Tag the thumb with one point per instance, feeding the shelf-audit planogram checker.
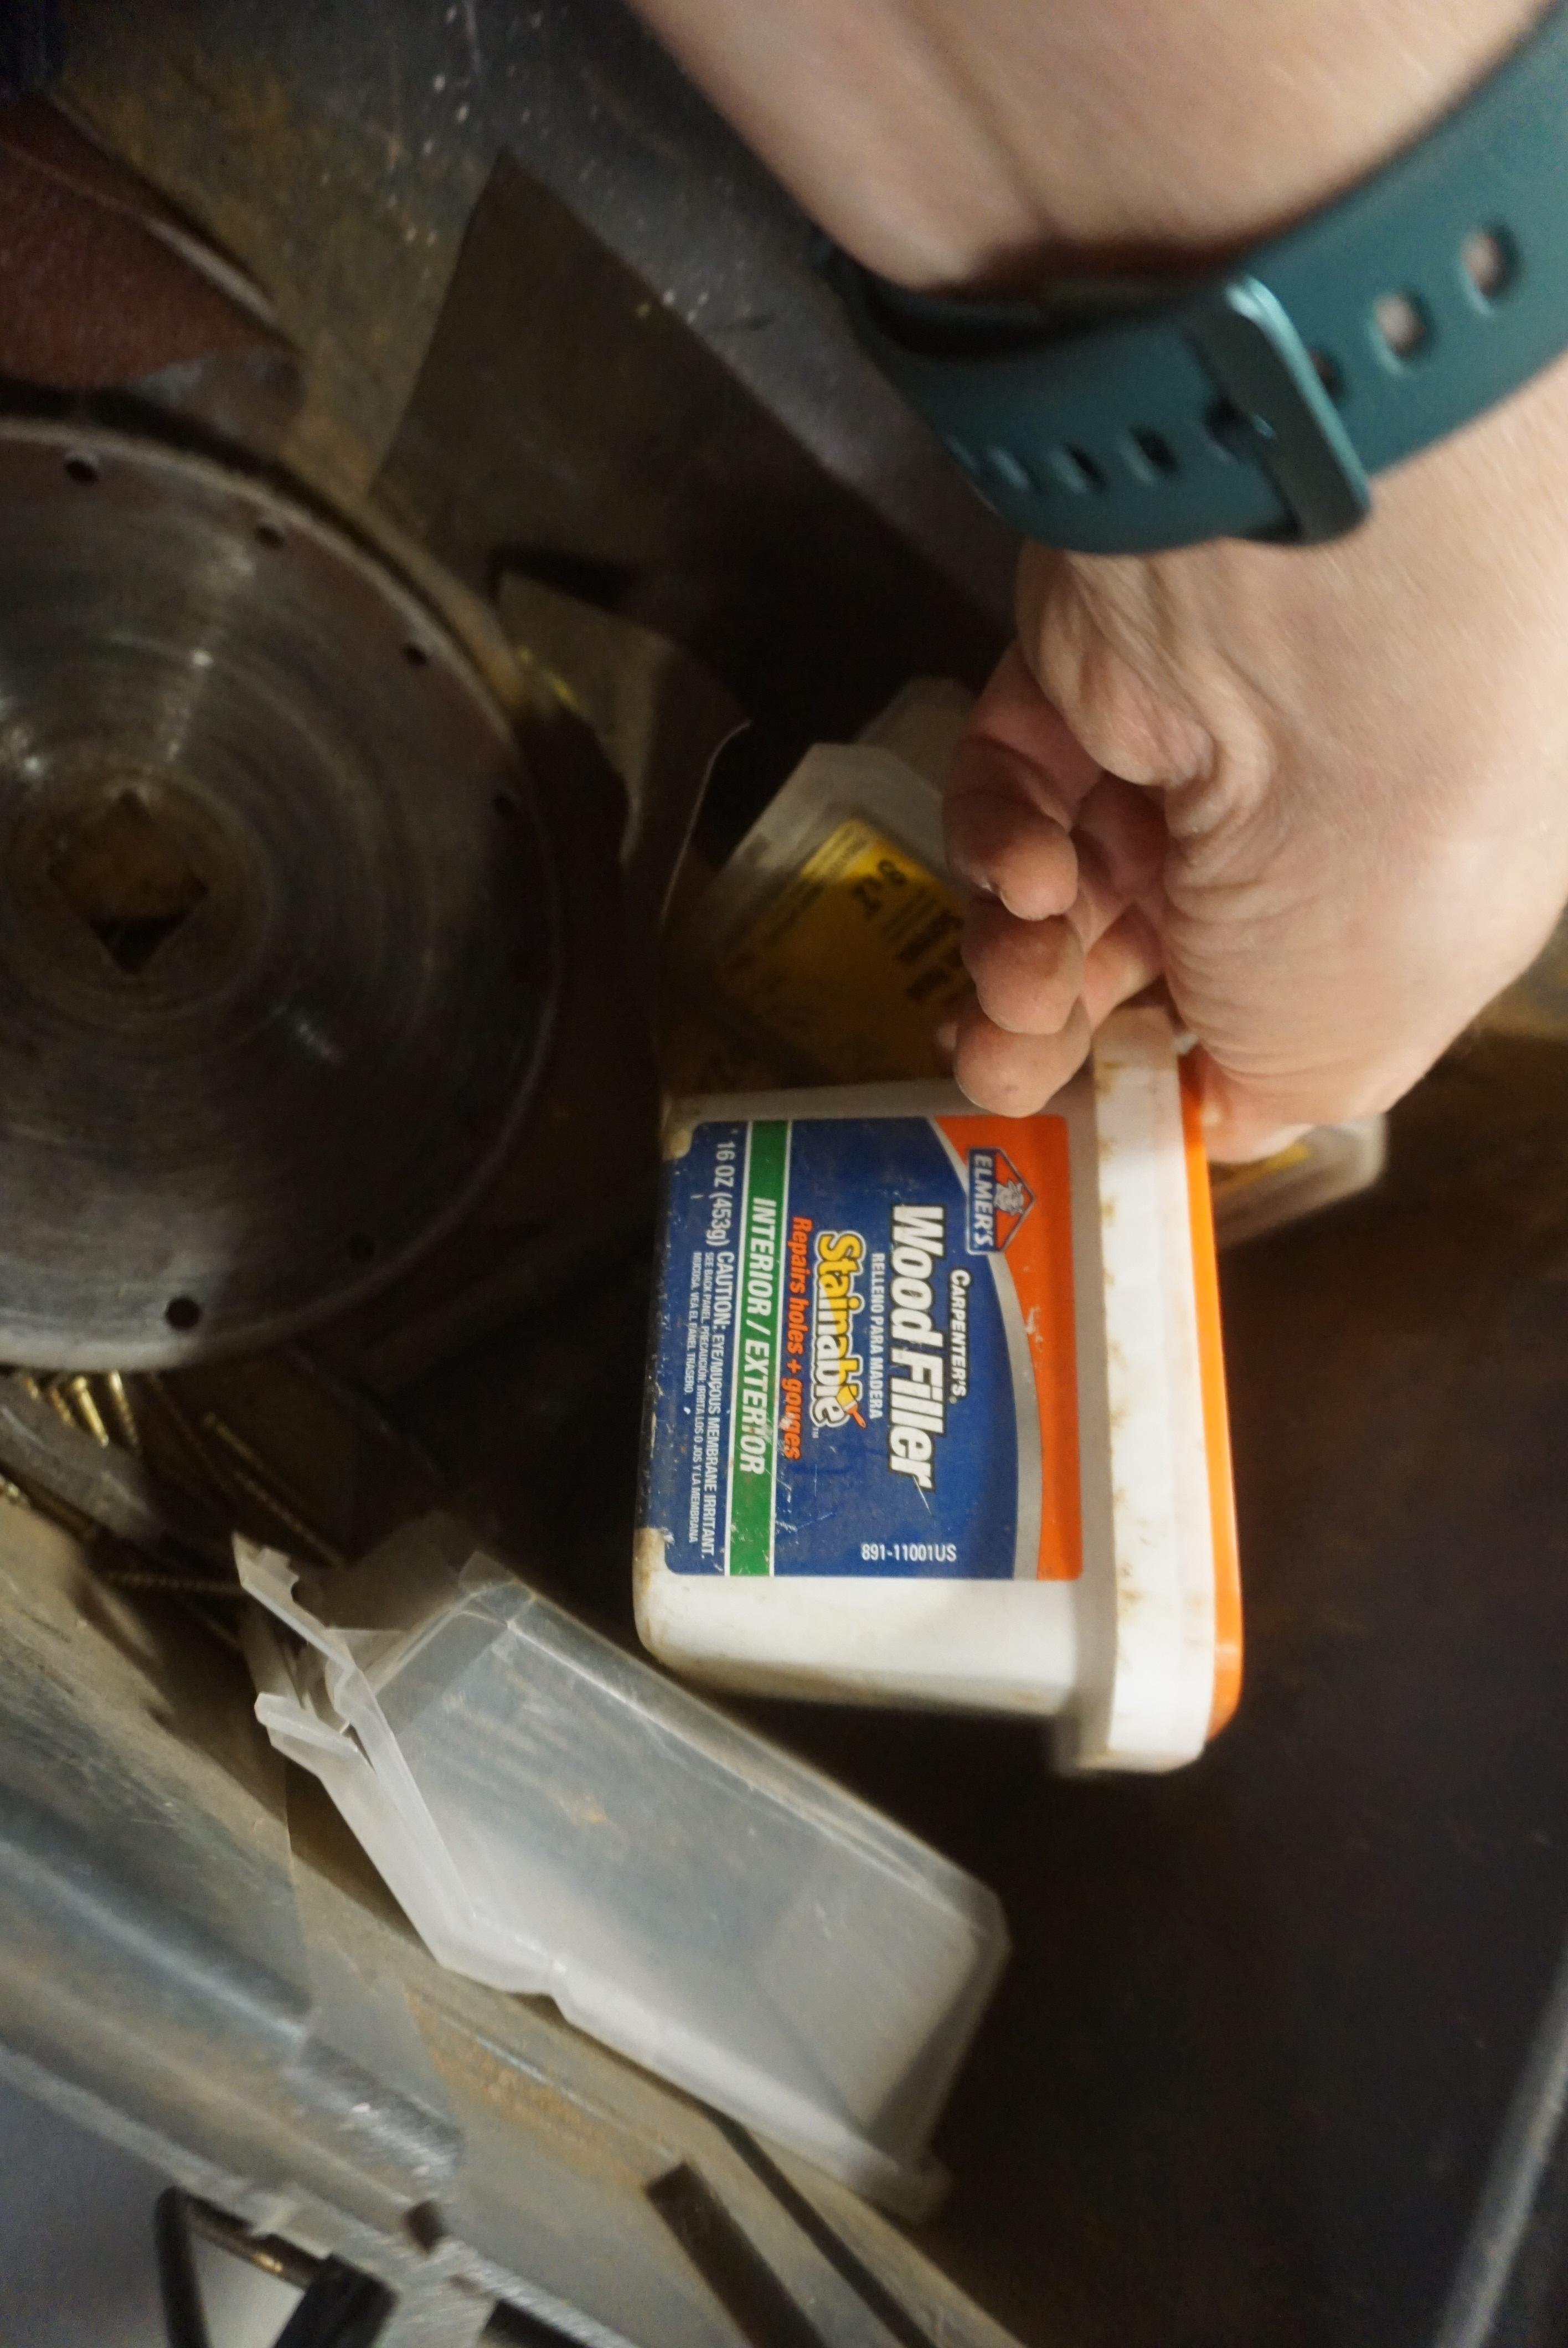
(1241, 1119)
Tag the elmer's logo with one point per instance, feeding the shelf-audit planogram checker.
(999, 1200)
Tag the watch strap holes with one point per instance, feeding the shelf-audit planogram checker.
(1003, 465)
(1149, 456)
(1489, 261)
(1402, 327)
(1075, 469)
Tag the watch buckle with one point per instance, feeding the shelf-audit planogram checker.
(1277, 411)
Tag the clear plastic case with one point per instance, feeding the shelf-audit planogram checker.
(1323, 1166)
(556, 1818)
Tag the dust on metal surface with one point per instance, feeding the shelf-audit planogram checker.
(277, 929)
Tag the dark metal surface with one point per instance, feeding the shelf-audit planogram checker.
(544, 1270)
(109, 1485)
(557, 319)
(199, 1962)
(32, 47)
(269, 122)
(649, 477)
(276, 928)
(179, 2287)
(269, 2253)
(660, 718)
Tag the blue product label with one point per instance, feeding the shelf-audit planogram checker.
(843, 1381)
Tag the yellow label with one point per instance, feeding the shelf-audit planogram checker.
(855, 961)
(1224, 1181)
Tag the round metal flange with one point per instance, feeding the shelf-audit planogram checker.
(277, 922)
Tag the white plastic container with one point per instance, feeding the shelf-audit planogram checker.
(1324, 1166)
(936, 1407)
(556, 1818)
(829, 943)
(827, 949)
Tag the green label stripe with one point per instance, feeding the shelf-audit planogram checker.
(753, 1418)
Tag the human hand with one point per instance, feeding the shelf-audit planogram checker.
(1323, 793)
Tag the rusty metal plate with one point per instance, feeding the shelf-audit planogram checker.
(278, 937)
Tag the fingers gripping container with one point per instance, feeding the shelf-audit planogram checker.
(558, 1818)
(937, 1409)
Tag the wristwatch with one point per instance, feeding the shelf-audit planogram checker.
(1256, 403)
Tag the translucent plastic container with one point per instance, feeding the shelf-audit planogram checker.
(556, 1818)
(1324, 1166)
(936, 1407)
(826, 948)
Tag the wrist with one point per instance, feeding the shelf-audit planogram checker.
(1173, 137)
(970, 144)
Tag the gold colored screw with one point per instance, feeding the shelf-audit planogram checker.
(62, 1409)
(256, 1478)
(210, 1479)
(124, 1413)
(172, 1585)
(79, 1394)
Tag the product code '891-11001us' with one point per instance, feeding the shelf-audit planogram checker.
(910, 1552)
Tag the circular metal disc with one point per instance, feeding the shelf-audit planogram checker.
(277, 935)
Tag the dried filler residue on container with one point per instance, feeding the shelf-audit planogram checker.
(937, 1409)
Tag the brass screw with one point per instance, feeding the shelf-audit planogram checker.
(79, 1394)
(172, 1585)
(259, 1481)
(210, 1479)
(62, 1409)
(124, 1413)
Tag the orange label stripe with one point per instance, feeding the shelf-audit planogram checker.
(1039, 1256)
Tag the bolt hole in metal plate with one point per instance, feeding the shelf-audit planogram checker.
(274, 982)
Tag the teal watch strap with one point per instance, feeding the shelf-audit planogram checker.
(1256, 404)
